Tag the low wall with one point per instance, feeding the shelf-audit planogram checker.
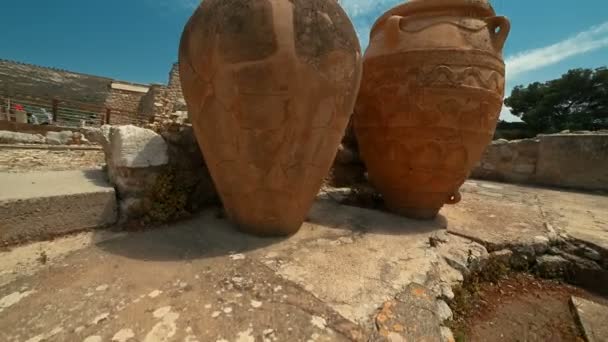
(565, 160)
(578, 161)
(31, 129)
(509, 161)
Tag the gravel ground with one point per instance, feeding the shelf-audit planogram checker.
(24, 160)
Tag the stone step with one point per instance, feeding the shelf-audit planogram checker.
(591, 318)
(40, 205)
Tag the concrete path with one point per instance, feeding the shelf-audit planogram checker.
(349, 274)
(40, 205)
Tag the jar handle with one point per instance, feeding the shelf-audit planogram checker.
(499, 37)
(454, 198)
(392, 30)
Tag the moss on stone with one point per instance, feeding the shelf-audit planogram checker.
(167, 199)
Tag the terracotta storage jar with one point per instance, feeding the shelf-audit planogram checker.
(431, 94)
(270, 86)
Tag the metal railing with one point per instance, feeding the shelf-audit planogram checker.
(68, 113)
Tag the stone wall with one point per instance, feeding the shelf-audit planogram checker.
(159, 176)
(128, 103)
(348, 169)
(17, 79)
(125, 106)
(565, 160)
(577, 161)
(166, 100)
(509, 161)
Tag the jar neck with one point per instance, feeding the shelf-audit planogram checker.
(438, 8)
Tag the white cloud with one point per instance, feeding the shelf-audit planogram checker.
(581, 43)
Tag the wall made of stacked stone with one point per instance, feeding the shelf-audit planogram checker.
(124, 106)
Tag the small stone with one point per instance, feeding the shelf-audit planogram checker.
(256, 304)
(100, 318)
(37, 338)
(161, 312)
(102, 287)
(277, 288)
(228, 310)
(215, 314)
(520, 261)
(94, 338)
(447, 335)
(79, 329)
(551, 266)
(318, 322)
(444, 311)
(207, 306)
(540, 244)
(446, 291)
(245, 336)
(237, 256)
(591, 253)
(502, 256)
(123, 335)
(154, 293)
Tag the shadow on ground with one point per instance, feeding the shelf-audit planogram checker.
(208, 235)
(204, 236)
(370, 221)
(96, 176)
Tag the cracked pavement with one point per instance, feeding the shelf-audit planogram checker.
(349, 274)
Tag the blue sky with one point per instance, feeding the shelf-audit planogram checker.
(136, 40)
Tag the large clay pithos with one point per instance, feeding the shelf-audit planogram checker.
(431, 93)
(270, 86)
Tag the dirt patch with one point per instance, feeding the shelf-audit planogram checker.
(518, 307)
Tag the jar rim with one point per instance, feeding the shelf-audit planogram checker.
(420, 6)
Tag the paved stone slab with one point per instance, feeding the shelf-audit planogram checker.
(583, 216)
(355, 259)
(592, 318)
(203, 280)
(498, 215)
(412, 316)
(38, 205)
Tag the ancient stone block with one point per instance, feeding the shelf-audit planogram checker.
(136, 147)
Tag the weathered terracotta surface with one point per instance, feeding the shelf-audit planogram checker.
(270, 86)
(431, 94)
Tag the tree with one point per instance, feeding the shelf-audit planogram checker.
(576, 101)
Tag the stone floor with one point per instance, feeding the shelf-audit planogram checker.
(14, 159)
(349, 274)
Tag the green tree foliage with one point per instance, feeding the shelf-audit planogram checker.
(576, 101)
